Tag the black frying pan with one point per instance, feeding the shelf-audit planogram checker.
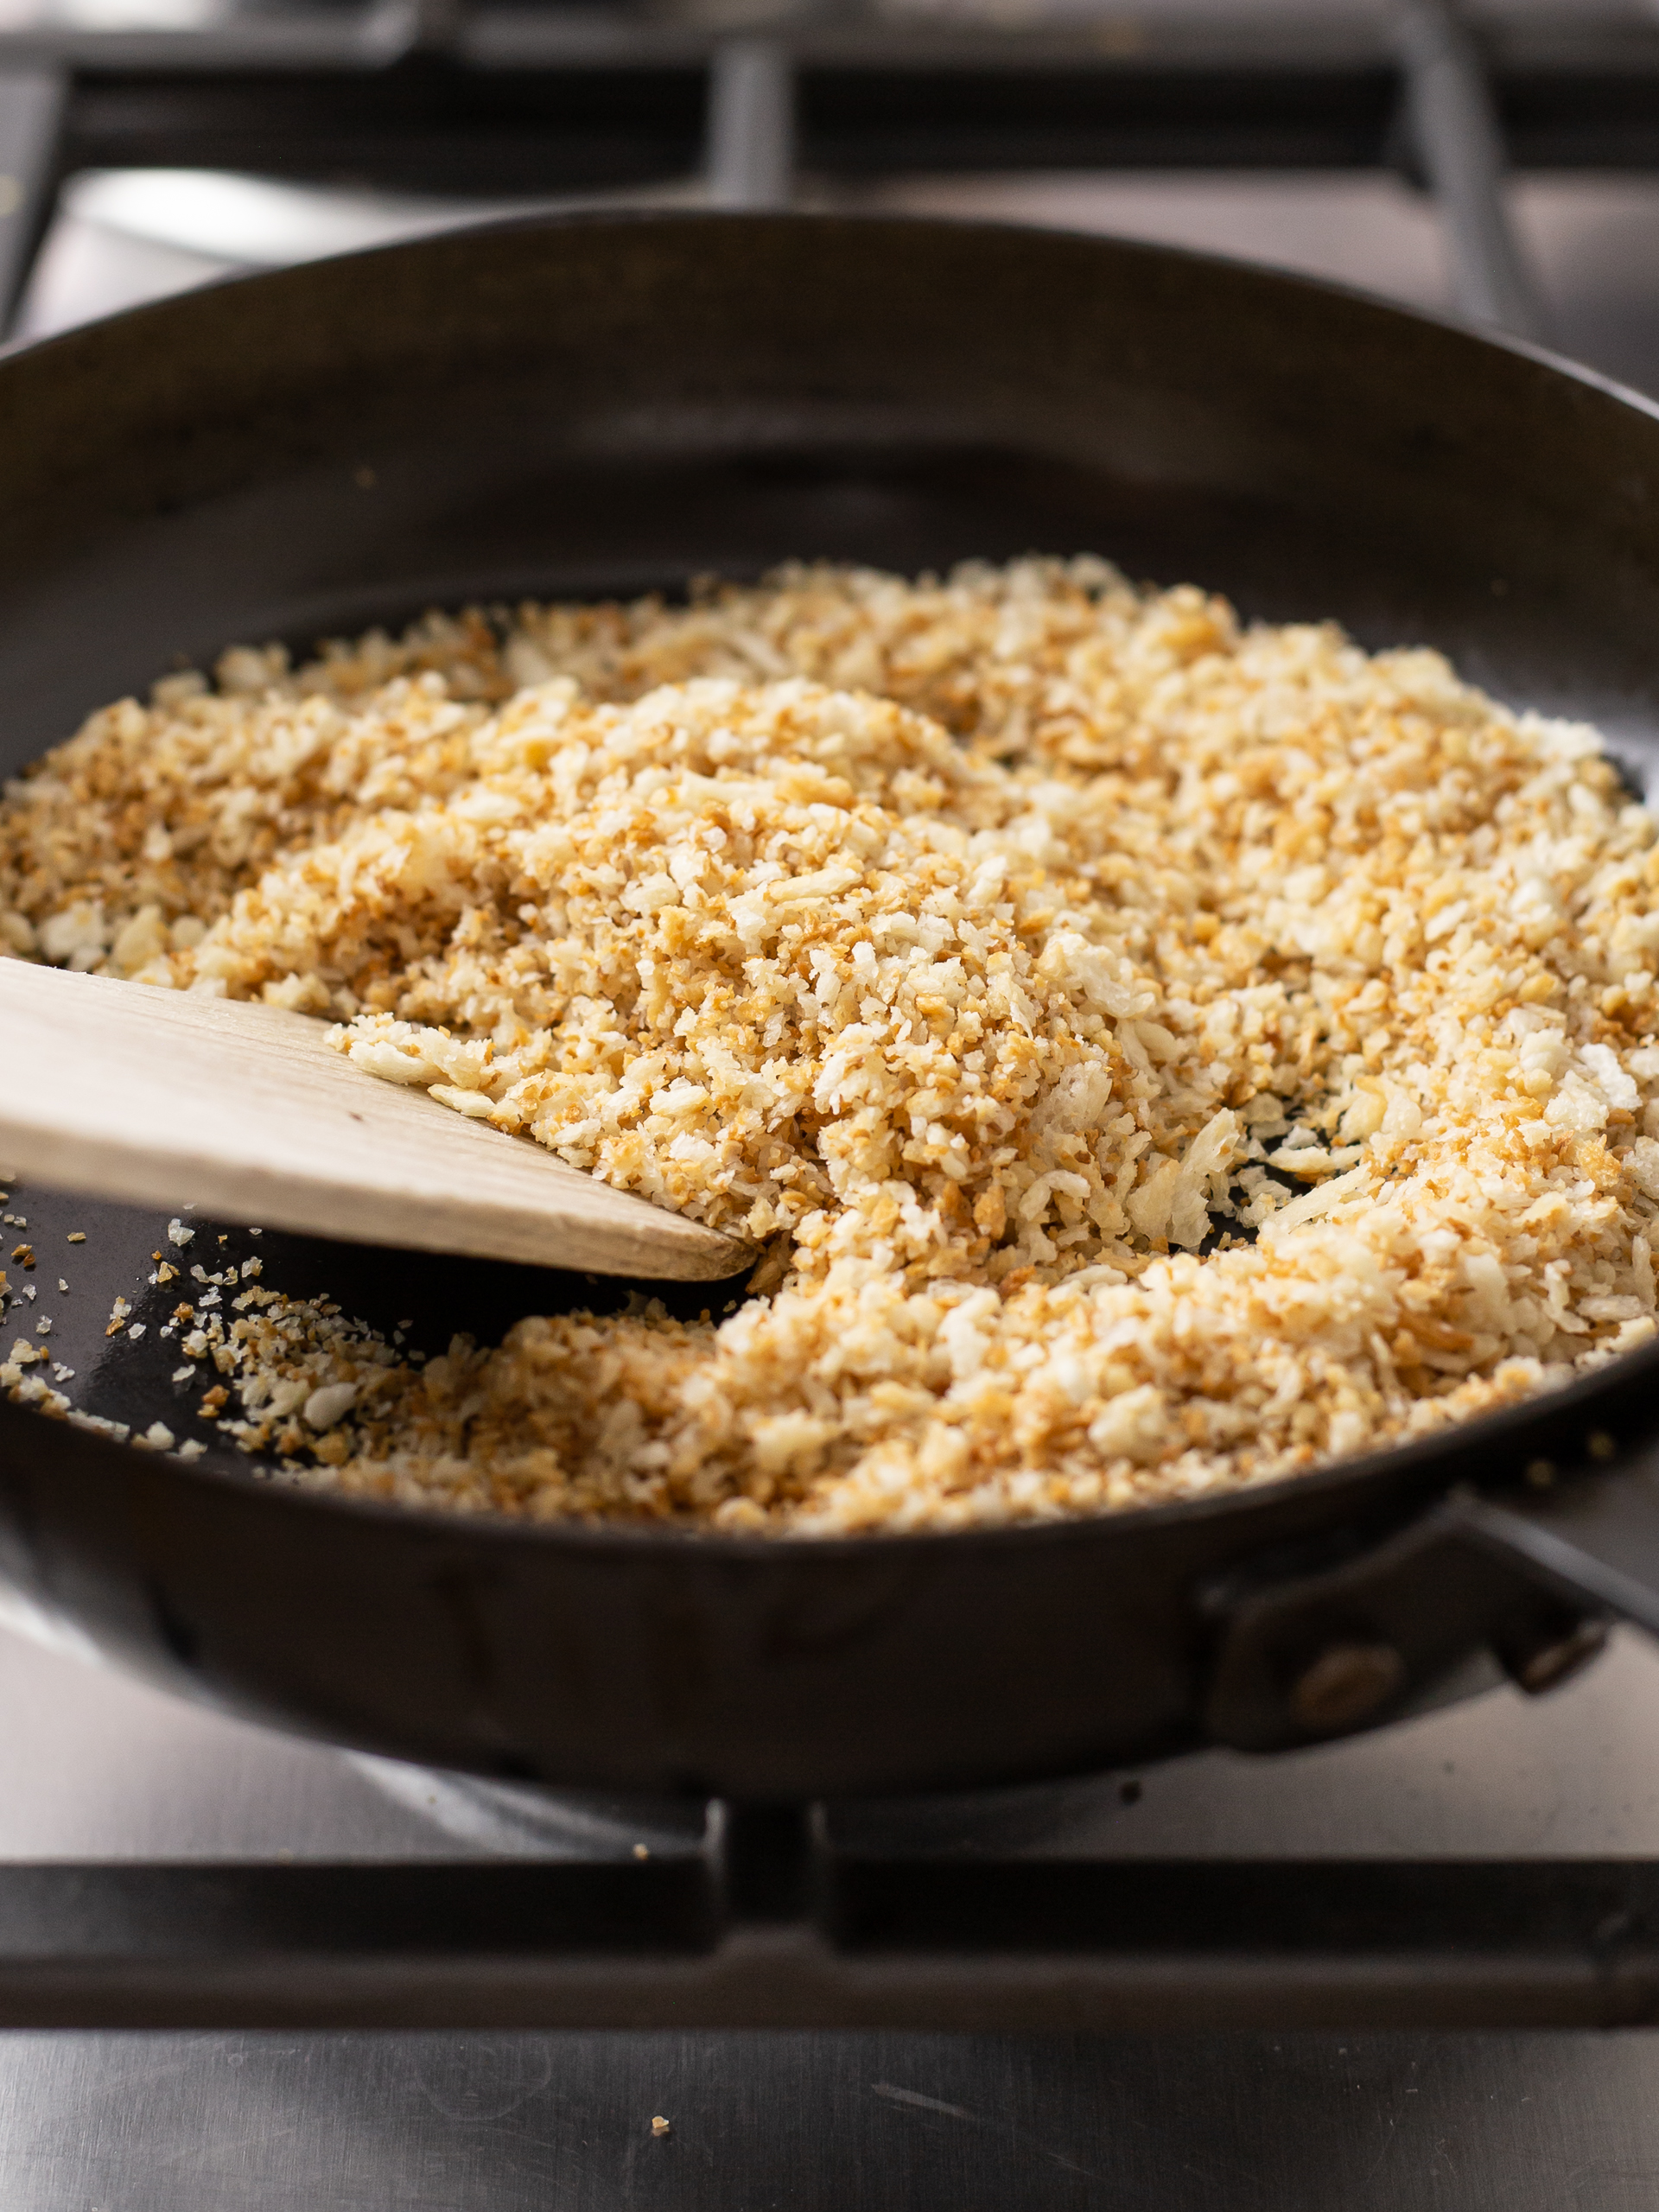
(602, 406)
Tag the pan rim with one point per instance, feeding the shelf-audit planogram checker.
(1368, 1477)
(874, 220)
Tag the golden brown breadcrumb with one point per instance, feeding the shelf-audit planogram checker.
(1160, 1054)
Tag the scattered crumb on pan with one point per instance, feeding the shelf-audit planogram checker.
(1158, 1054)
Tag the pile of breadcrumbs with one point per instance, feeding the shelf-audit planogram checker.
(1157, 1055)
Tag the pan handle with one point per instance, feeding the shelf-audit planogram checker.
(1593, 1541)
(1532, 1572)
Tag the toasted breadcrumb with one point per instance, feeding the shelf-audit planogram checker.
(1159, 1055)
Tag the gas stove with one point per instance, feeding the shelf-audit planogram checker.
(244, 1974)
(1498, 160)
(967, 2089)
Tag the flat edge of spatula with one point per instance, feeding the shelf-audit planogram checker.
(129, 1092)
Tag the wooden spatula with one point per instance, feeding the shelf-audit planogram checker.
(166, 1099)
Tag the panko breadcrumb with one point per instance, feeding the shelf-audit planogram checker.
(1157, 1054)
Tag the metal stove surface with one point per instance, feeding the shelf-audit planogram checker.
(93, 1766)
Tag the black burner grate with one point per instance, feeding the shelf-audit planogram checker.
(438, 95)
(771, 1924)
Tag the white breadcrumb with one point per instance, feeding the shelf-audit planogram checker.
(1159, 1055)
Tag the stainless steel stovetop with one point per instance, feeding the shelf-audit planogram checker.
(93, 1766)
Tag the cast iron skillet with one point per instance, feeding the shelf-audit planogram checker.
(581, 408)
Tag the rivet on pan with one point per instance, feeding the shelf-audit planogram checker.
(1547, 1664)
(1600, 1445)
(1541, 1474)
(1345, 1685)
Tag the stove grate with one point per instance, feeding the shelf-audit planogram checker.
(770, 1924)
